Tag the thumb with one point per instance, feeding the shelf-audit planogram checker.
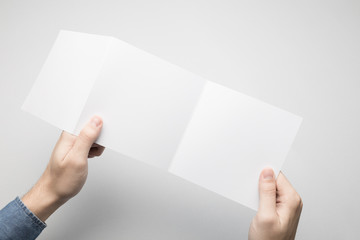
(88, 136)
(267, 192)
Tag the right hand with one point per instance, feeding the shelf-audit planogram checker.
(279, 210)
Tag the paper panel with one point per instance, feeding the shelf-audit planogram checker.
(145, 102)
(230, 139)
(66, 78)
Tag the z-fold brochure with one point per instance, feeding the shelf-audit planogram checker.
(161, 114)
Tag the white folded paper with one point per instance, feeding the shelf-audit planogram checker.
(161, 114)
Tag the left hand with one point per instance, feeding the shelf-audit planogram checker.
(66, 172)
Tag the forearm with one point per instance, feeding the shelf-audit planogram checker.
(62, 179)
(41, 201)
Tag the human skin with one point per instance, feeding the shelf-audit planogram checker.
(279, 209)
(66, 172)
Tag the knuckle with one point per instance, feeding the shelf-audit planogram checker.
(296, 201)
(296, 198)
(301, 203)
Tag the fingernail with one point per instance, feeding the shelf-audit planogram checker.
(95, 121)
(268, 174)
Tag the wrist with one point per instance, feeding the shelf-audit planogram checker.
(41, 201)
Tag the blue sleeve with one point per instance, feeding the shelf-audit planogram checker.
(18, 222)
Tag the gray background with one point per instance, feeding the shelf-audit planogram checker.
(302, 56)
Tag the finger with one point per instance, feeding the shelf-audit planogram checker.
(296, 223)
(267, 193)
(287, 195)
(284, 187)
(87, 137)
(96, 151)
(96, 145)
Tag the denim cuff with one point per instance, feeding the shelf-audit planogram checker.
(31, 215)
(18, 222)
